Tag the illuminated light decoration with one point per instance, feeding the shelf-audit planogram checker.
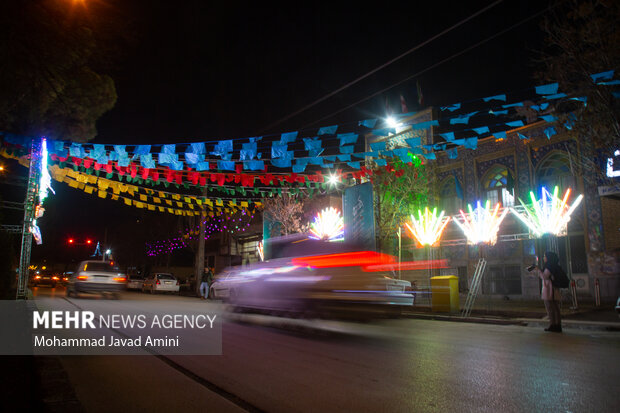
(481, 225)
(328, 225)
(611, 172)
(261, 251)
(212, 227)
(428, 227)
(550, 214)
(45, 182)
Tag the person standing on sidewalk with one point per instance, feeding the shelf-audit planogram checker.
(550, 295)
(205, 282)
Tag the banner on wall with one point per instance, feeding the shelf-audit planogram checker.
(359, 217)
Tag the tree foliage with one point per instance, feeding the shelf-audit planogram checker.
(400, 189)
(48, 80)
(583, 38)
(285, 213)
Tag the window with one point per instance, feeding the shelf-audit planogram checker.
(502, 279)
(496, 186)
(450, 202)
(554, 170)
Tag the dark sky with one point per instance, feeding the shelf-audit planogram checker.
(202, 71)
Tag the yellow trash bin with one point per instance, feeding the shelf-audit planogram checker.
(445, 294)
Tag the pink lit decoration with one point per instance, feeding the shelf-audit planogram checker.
(328, 225)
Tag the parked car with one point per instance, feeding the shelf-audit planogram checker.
(96, 277)
(160, 282)
(45, 277)
(135, 282)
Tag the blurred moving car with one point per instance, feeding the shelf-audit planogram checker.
(160, 282)
(316, 277)
(45, 277)
(96, 277)
(135, 282)
(65, 277)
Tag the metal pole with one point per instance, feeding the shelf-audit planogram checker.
(29, 216)
(399, 252)
(597, 292)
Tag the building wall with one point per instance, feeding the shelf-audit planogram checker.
(596, 221)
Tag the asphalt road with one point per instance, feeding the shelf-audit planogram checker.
(404, 365)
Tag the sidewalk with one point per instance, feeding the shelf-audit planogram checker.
(528, 313)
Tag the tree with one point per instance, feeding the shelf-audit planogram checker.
(583, 38)
(49, 84)
(400, 189)
(285, 213)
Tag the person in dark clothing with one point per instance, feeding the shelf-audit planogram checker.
(205, 282)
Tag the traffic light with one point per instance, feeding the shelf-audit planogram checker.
(88, 241)
(71, 241)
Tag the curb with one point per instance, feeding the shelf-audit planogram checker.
(321, 326)
(575, 324)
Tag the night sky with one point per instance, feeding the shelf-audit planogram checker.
(203, 71)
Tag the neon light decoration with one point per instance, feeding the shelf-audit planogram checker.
(611, 171)
(428, 227)
(45, 182)
(328, 225)
(550, 214)
(481, 225)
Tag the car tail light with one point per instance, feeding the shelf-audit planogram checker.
(158, 282)
(82, 277)
(120, 279)
(54, 278)
(37, 277)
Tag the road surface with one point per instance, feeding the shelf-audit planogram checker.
(405, 365)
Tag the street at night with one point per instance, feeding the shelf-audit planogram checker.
(310, 206)
(399, 365)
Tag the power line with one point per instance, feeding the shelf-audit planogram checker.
(432, 66)
(460, 23)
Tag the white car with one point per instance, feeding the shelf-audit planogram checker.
(96, 277)
(135, 282)
(161, 282)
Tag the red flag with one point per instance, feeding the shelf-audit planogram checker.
(403, 105)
